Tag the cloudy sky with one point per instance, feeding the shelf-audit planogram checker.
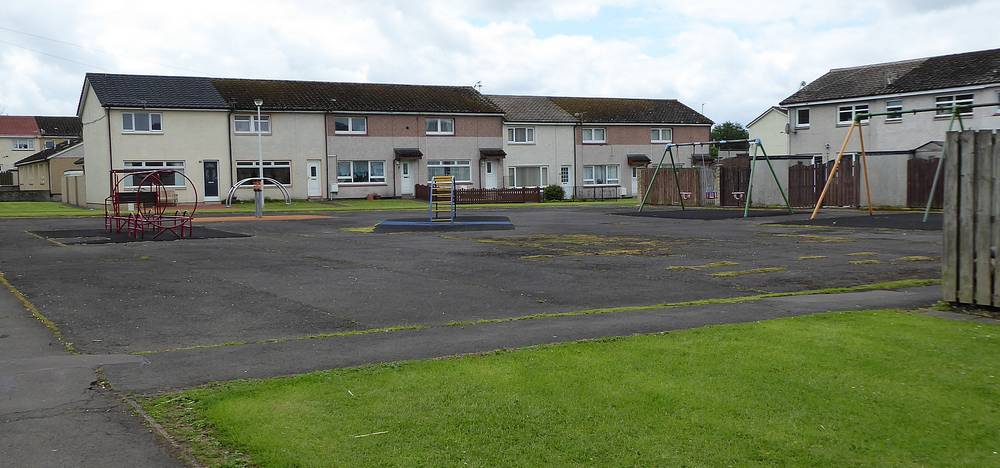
(734, 57)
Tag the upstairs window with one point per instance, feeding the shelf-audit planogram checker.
(847, 114)
(894, 107)
(802, 118)
(23, 144)
(142, 122)
(661, 135)
(440, 126)
(594, 135)
(945, 104)
(350, 125)
(249, 124)
(520, 135)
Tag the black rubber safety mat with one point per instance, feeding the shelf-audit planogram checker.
(100, 236)
(461, 223)
(701, 213)
(912, 221)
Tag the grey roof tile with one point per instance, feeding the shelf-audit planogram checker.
(531, 109)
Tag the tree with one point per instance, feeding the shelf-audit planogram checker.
(729, 131)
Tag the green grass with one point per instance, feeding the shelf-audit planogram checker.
(752, 271)
(885, 388)
(42, 210)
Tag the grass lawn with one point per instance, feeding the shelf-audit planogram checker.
(43, 209)
(840, 389)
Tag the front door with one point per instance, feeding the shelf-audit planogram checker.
(566, 181)
(406, 177)
(211, 180)
(490, 179)
(635, 179)
(313, 184)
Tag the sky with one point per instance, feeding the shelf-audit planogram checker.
(729, 59)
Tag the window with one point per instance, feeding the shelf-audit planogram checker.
(49, 144)
(945, 104)
(600, 175)
(894, 107)
(277, 170)
(594, 135)
(528, 176)
(440, 126)
(361, 172)
(168, 180)
(847, 114)
(23, 144)
(661, 135)
(997, 112)
(242, 124)
(564, 175)
(802, 118)
(350, 125)
(460, 169)
(137, 122)
(521, 135)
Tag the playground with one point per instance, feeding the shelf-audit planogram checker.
(287, 279)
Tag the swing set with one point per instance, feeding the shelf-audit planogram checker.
(956, 116)
(754, 142)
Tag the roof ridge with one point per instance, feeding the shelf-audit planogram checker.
(281, 80)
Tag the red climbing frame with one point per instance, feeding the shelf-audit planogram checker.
(138, 204)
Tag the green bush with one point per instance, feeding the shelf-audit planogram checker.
(553, 192)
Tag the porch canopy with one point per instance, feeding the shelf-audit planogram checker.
(407, 153)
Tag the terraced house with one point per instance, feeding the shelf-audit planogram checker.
(22, 136)
(820, 113)
(350, 140)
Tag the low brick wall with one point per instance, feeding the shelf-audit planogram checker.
(24, 195)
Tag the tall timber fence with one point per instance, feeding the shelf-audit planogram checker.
(971, 218)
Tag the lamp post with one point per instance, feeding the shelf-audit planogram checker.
(258, 186)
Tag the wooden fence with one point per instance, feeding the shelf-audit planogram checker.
(7, 178)
(971, 218)
(664, 190)
(919, 178)
(477, 195)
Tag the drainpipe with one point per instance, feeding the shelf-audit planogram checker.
(229, 139)
(111, 157)
(325, 162)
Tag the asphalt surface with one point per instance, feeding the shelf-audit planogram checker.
(206, 310)
(911, 221)
(51, 412)
(294, 278)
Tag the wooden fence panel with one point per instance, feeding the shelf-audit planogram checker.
(971, 218)
(734, 182)
(966, 216)
(803, 181)
(844, 188)
(664, 191)
(949, 261)
(919, 178)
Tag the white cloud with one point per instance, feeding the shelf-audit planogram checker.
(737, 57)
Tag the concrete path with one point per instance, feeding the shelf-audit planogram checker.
(52, 412)
(180, 369)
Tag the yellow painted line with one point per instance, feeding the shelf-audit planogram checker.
(51, 241)
(35, 312)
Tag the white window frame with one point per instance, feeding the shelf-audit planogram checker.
(543, 175)
(277, 163)
(952, 100)
(590, 182)
(659, 131)
(592, 140)
(351, 120)
(997, 111)
(130, 118)
(438, 121)
(349, 180)
(450, 163)
(564, 175)
(854, 109)
(894, 105)
(529, 135)
(798, 118)
(179, 166)
(251, 120)
(28, 144)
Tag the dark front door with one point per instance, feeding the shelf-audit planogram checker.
(211, 179)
